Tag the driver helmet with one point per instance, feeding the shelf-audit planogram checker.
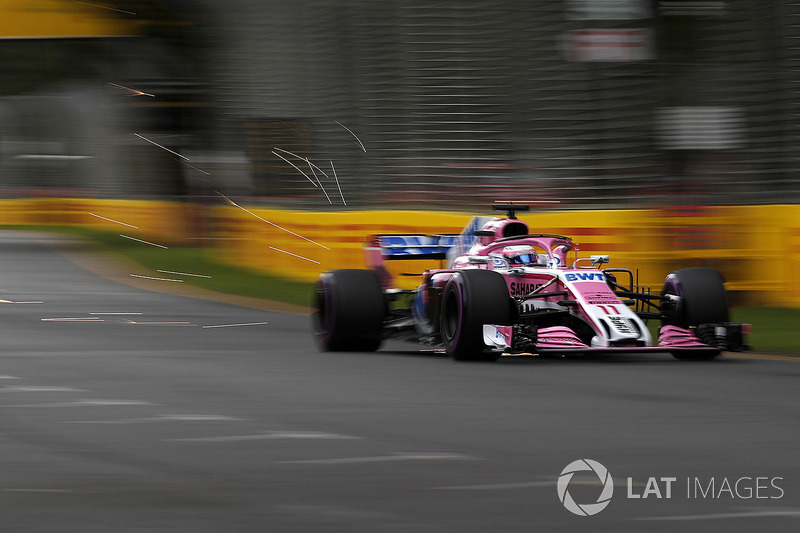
(520, 255)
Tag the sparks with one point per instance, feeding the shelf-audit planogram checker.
(145, 242)
(115, 221)
(320, 183)
(197, 169)
(289, 153)
(353, 134)
(301, 158)
(232, 325)
(162, 147)
(295, 255)
(182, 273)
(231, 202)
(337, 183)
(133, 92)
(181, 323)
(105, 7)
(295, 166)
(528, 201)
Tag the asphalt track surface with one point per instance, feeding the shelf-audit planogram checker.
(113, 426)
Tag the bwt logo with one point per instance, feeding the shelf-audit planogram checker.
(586, 509)
(585, 276)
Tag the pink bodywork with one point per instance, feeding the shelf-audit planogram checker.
(513, 232)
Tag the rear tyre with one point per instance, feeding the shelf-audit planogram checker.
(702, 301)
(471, 299)
(348, 311)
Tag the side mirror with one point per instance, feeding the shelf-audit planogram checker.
(599, 259)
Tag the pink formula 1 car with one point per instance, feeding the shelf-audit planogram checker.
(505, 291)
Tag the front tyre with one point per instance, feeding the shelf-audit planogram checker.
(348, 311)
(701, 300)
(471, 299)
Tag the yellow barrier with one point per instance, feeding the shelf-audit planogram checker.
(169, 222)
(757, 248)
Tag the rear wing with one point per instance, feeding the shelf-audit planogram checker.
(391, 247)
(380, 249)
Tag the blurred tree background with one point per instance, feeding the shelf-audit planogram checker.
(594, 103)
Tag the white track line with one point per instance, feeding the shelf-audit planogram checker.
(35, 490)
(156, 279)
(160, 418)
(500, 486)
(723, 516)
(39, 389)
(424, 456)
(83, 403)
(103, 313)
(270, 435)
(73, 319)
(234, 325)
(526, 485)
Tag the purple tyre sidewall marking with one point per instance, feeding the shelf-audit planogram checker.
(671, 287)
(328, 318)
(457, 282)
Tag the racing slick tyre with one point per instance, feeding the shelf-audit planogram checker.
(702, 301)
(348, 311)
(471, 299)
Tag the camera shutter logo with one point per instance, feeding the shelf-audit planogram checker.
(586, 509)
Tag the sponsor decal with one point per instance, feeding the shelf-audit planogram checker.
(621, 325)
(548, 339)
(521, 288)
(601, 298)
(499, 264)
(585, 276)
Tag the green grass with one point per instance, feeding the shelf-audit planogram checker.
(774, 329)
(196, 260)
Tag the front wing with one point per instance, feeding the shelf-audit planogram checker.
(705, 339)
